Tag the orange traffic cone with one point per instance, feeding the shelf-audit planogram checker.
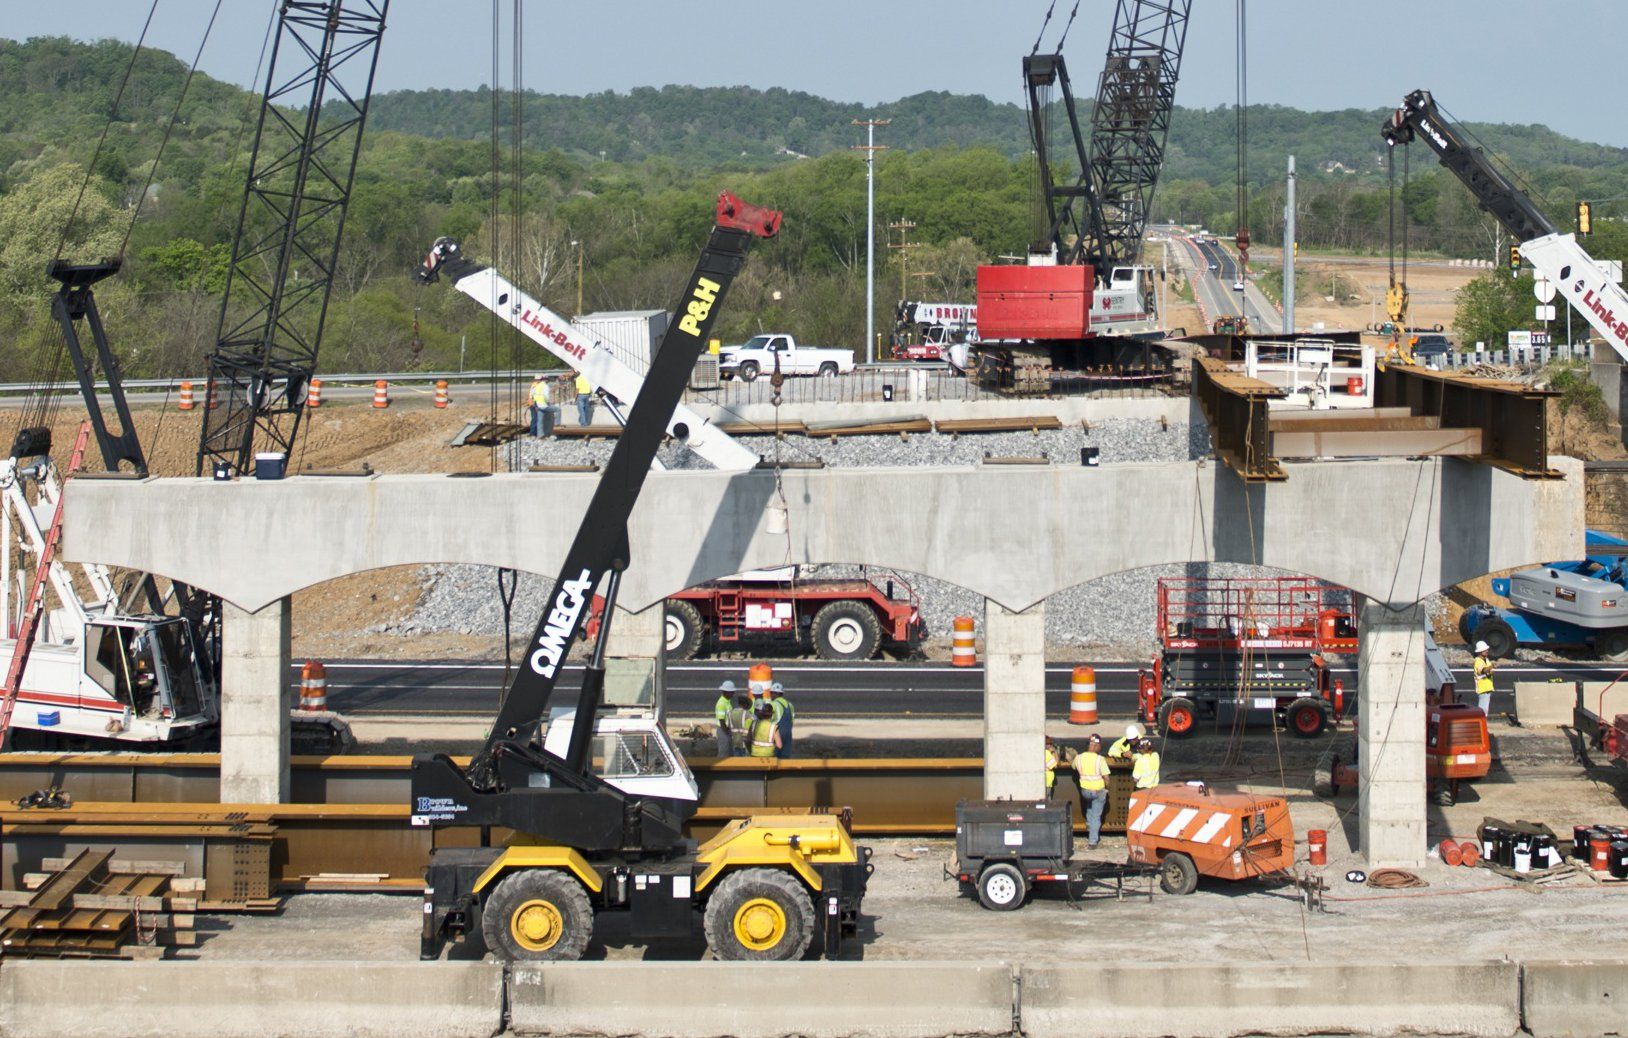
(313, 395)
(381, 393)
(186, 403)
(313, 687)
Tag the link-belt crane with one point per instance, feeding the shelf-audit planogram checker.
(584, 843)
(1553, 255)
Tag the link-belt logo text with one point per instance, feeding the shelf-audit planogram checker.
(561, 625)
(1618, 323)
(558, 338)
(706, 294)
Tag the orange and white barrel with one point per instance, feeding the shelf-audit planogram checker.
(441, 393)
(963, 643)
(1082, 696)
(381, 393)
(759, 678)
(186, 403)
(313, 686)
(211, 401)
(313, 393)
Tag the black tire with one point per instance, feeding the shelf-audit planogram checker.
(1612, 646)
(1177, 874)
(1002, 887)
(549, 905)
(1465, 631)
(681, 633)
(1499, 636)
(762, 901)
(1178, 718)
(748, 371)
(1306, 718)
(828, 370)
(846, 630)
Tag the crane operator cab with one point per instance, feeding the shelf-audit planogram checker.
(631, 751)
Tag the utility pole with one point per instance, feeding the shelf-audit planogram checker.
(579, 247)
(904, 245)
(1288, 255)
(870, 149)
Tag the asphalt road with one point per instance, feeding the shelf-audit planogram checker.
(1215, 287)
(470, 688)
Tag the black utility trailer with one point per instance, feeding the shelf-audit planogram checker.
(1004, 848)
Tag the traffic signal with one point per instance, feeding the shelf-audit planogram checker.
(1514, 259)
(1585, 220)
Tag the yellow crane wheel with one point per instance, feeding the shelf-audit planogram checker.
(536, 925)
(760, 924)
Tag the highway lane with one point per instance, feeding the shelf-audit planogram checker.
(1215, 287)
(470, 688)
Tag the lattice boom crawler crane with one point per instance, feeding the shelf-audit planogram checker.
(581, 845)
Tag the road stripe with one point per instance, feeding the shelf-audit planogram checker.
(1178, 823)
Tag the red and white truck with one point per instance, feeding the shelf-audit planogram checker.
(843, 618)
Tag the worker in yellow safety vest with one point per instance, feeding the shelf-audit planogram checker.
(1121, 749)
(1484, 666)
(784, 715)
(1051, 765)
(1145, 769)
(539, 401)
(765, 737)
(1092, 767)
(720, 715)
(585, 400)
(740, 724)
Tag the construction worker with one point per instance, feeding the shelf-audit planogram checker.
(1145, 770)
(784, 715)
(1092, 768)
(720, 714)
(740, 724)
(585, 400)
(1121, 749)
(539, 401)
(764, 740)
(1484, 666)
(1051, 765)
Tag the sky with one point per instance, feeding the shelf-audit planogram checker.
(1477, 56)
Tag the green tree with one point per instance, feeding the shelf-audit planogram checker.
(32, 220)
(1492, 306)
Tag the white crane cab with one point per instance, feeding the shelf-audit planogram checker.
(631, 751)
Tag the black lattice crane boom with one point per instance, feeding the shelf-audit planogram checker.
(292, 217)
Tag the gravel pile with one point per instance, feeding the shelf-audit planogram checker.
(1115, 612)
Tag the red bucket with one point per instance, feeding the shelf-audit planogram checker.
(1353, 385)
(1317, 846)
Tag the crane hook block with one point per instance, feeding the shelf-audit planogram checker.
(743, 216)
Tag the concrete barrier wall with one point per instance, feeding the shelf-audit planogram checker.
(762, 1000)
(1202, 999)
(226, 999)
(49, 999)
(1545, 702)
(1575, 997)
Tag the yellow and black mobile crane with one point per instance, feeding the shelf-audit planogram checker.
(581, 845)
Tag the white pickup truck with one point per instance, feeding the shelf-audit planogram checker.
(759, 354)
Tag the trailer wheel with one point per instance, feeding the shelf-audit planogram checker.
(537, 915)
(1178, 718)
(1001, 887)
(1177, 874)
(846, 630)
(1499, 636)
(1306, 718)
(1612, 646)
(748, 371)
(828, 370)
(761, 915)
(681, 635)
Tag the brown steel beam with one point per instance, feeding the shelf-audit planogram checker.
(1512, 418)
(1317, 443)
(1236, 409)
(1349, 421)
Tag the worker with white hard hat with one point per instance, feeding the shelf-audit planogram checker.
(1484, 666)
(720, 713)
(1121, 749)
(539, 401)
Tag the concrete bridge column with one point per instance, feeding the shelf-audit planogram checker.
(1014, 702)
(1391, 735)
(635, 670)
(254, 730)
